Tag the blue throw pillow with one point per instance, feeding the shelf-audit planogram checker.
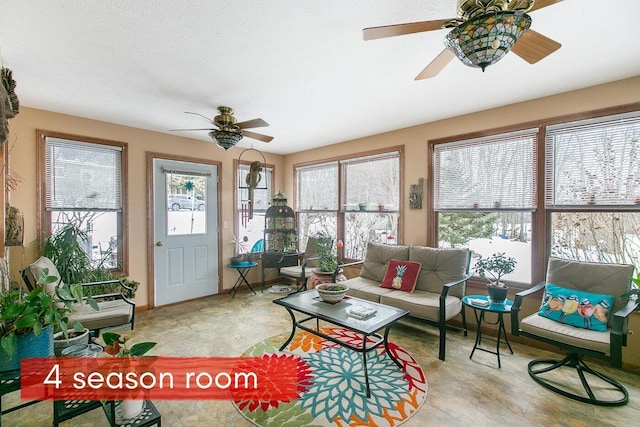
(576, 308)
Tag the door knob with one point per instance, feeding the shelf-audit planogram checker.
(159, 243)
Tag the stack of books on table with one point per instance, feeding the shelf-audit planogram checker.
(480, 302)
(361, 311)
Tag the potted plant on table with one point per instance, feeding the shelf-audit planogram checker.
(497, 265)
(117, 345)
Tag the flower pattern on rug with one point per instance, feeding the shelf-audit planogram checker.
(332, 385)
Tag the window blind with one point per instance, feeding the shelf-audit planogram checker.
(496, 172)
(82, 176)
(317, 187)
(593, 164)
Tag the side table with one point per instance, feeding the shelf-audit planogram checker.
(481, 305)
(242, 269)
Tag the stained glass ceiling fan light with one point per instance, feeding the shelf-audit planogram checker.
(225, 138)
(485, 39)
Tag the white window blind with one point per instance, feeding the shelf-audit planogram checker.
(594, 164)
(372, 180)
(496, 172)
(317, 187)
(82, 176)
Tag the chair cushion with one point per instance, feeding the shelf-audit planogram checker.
(36, 269)
(377, 257)
(601, 278)
(556, 331)
(401, 275)
(296, 271)
(576, 308)
(111, 313)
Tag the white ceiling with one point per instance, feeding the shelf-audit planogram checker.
(300, 65)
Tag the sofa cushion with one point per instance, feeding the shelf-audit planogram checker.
(422, 304)
(401, 275)
(576, 308)
(111, 313)
(440, 266)
(377, 257)
(367, 289)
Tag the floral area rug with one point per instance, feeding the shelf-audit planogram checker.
(331, 384)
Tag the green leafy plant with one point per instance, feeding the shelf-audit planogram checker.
(118, 346)
(497, 265)
(634, 292)
(22, 313)
(327, 260)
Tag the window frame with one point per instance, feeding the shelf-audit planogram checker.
(44, 216)
(541, 224)
(341, 211)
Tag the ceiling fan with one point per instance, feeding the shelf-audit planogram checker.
(228, 131)
(483, 33)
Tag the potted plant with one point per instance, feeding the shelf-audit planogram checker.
(497, 265)
(118, 346)
(28, 319)
(327, 261)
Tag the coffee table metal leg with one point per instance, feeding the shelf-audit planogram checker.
(293, 329)
(364, 362)
(386, 346)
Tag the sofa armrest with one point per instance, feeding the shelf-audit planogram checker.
(447, 286)
(341, 266)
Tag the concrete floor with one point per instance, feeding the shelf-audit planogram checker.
(462, 392)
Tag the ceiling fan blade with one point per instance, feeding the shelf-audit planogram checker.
(255, 123)
(539, 4)
(180, 130)
(533, 46)
(436, 65)
(258, 136)
(198, 114)
(401, 29)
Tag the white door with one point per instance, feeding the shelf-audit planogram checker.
(185, 230)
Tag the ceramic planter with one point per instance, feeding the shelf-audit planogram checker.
(28, 345)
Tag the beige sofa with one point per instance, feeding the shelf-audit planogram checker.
(439, 289)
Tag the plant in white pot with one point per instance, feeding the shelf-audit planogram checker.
(496, 266)
(118, 346)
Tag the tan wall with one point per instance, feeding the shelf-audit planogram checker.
(22, 143)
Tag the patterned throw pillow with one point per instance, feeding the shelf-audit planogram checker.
(401, 275)
(576, 308)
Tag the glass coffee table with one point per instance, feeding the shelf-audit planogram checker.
(314, 309)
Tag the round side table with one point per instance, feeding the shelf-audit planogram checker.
(481, 305)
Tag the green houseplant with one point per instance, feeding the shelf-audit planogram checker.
(496, 266)
(36, 313)
(327, 260)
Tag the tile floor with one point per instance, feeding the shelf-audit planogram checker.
(462, 392)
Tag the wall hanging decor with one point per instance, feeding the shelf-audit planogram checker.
(415, 196)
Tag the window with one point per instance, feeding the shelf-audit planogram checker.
(83, 181)
(250, 231)
(357, 200)
(576, 197)
(484, 194)
(593, 189)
